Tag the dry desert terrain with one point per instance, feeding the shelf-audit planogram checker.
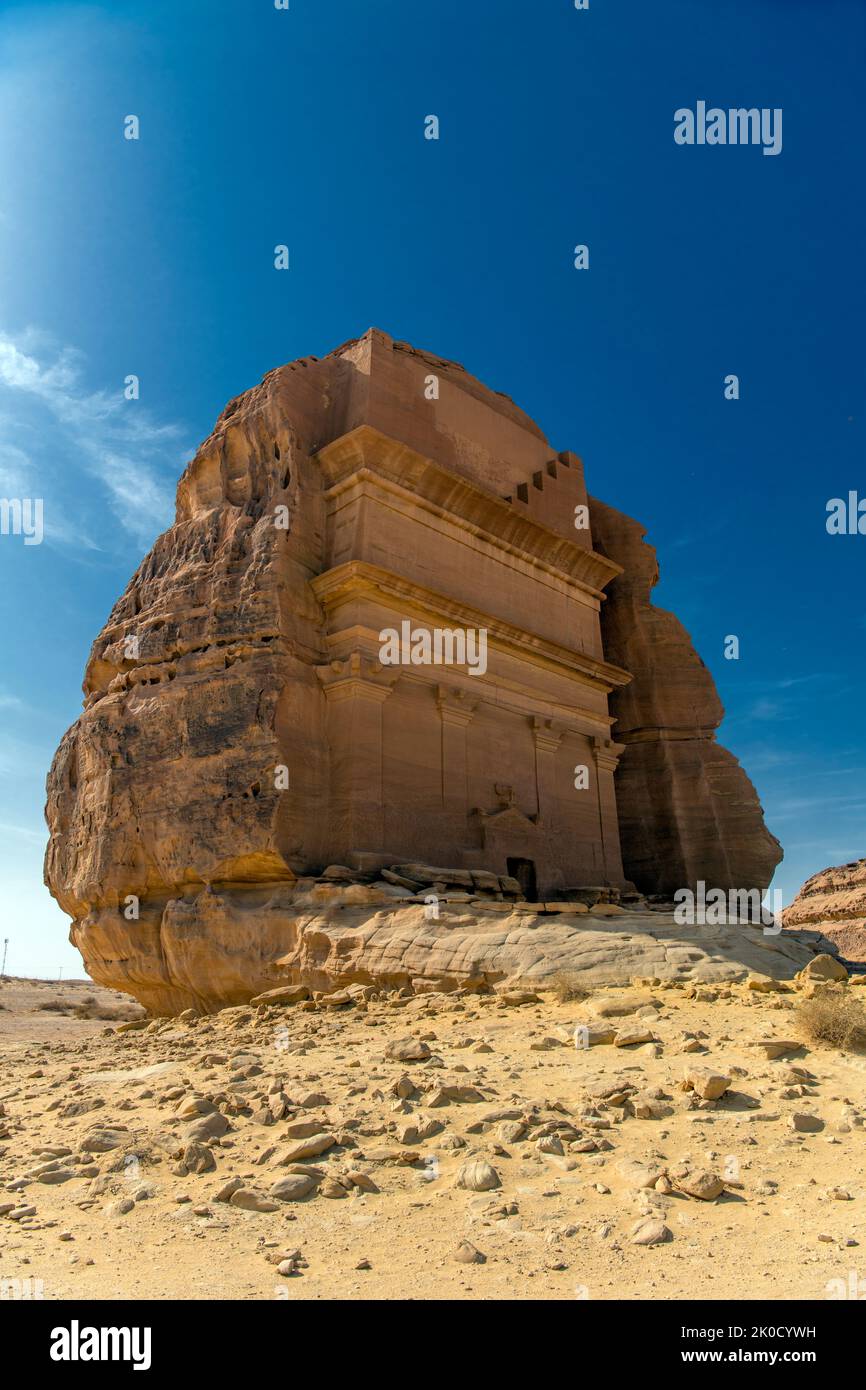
(431, 1146)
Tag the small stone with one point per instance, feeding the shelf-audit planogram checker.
(121, 1208)
(198, 1158)
(510, 1131)
(702, 1184)
(293, 1188)
(286, 994)
(802, 1123)
(102, 1140)
(763, 984)
(303, 1129)
(631, 1037)
(467, 1254)
(649, 1231)
(638, 1175)
(550, 1144)
(777, 1047)
(593, 1035)
(194, 1106)
(477, 1176)
(233, 1185)
(333, 1188)
(361, 1180)
(822, 967)
(408, 1050)
(307, 1148)
(248, 1200)
(706, 1083)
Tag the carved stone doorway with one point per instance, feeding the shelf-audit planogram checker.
(524, 871)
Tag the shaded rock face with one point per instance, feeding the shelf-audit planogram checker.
(687, 810)
(833, 902)
(240, 728)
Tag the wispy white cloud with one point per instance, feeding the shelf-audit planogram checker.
(15, 467)
(133, 458)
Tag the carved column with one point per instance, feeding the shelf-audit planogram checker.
(548, 736)
(456, 711)
(356, 688)
(606, 755)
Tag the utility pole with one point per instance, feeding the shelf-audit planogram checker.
(5, 949)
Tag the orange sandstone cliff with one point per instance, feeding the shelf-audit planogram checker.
(240, 731)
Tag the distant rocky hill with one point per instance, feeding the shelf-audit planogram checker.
(834, 903)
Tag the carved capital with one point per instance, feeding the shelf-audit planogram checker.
(455, 706)
(357, 676)
(606, 753)
(547, 734)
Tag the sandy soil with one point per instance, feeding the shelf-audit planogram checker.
(57, 1011)
(123, 1217)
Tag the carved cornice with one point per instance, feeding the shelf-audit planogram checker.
(365, 456)
(357, 578)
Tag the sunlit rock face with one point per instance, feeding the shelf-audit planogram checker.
(833, 902)
(530, 718)
(687, 810)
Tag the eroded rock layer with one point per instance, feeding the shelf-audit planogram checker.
(213, 949)
(687, 810)
(834, 902)
(241, 727)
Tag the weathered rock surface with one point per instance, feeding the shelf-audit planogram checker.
(833, 902)
(232, 961)
(687, 810)
(241, 735)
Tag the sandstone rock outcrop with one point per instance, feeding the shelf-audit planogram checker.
(244, 729)
(687, 810)
(833, 902)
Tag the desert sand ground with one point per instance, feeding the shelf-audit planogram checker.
(102, 1131)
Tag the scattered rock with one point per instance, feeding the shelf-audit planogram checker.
(706, 1083)
(248, 1200)
(822, 967)
(198, 1158)
(286, 994)
(477, 1176)
(408, 1050)
(307, 1148)
(468, 1254)
(803, 1123)
(650, 1231)
(702, 1184)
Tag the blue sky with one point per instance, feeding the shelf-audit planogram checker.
(305, 127)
